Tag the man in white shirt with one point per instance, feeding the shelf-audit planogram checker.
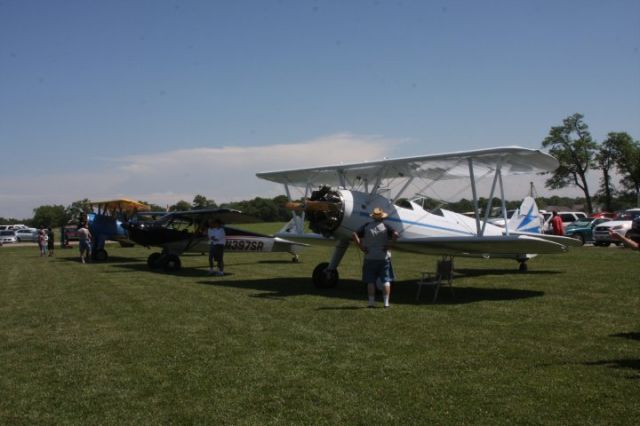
(217, 240)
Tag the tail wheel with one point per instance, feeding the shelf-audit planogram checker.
(153, 261)
(323, 277)
(100, 255)
(170, 263)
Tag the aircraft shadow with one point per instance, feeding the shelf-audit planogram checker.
(141, 266)
(110, 260)
(634, 335)
(403, 292)
(470, 272)
(624, 364)
(620, 364)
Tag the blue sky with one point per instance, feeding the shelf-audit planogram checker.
(162, 100)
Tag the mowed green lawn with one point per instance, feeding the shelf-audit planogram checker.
(114, 343)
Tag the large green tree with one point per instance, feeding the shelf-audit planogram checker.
(606, 160)
(52, 216)
(627, 159)
(75, 210)
(572, 145)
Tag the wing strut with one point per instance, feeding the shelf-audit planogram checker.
(404, 188)
(474, 193)
(491, 195)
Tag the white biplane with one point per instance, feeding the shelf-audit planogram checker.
(339, 198)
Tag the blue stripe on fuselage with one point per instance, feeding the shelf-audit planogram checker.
(421, 224)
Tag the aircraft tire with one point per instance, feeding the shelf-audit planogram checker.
(153, 261)
(523, 267)
(324, 278)
(170, 263)
(100, 255)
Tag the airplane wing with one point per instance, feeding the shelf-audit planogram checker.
(227, 216)
(455, 165)
(119, 204)
(494, 245)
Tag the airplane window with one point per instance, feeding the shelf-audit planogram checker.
(404, 203)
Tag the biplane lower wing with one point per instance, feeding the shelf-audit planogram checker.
(481, 246)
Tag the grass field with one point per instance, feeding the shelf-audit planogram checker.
(114, 343)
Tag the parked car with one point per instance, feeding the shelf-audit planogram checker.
(8, 237)
(582, 229)
(605, 215)
(28, 234)
(622, 226)
(71, 233)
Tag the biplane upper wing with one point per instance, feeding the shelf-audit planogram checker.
(119, 204)
(455, 165)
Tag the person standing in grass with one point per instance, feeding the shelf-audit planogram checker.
(50, 241)
(84, 237)
(42, 241)
(374, 238)
(556, 224)
(217, 240)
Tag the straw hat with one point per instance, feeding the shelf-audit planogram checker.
(378, 213)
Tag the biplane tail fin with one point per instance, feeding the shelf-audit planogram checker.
(526, 218)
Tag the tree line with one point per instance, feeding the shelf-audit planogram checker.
(272, 209)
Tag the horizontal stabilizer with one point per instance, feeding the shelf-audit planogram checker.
(566, 241)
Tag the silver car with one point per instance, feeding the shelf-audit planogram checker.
(8, 237)
(26, 235)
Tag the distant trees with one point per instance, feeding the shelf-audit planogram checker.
(201, 202)
(154, 207)
(180, 206)
(265, 209)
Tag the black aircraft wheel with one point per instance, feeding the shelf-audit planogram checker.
(100, 255)
(171, 263)
(325, 278)
(295, 259)
(153, 261)
(523, 267)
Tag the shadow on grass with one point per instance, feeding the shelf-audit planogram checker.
(403, 292)
(634, 335)
(620, 364)
(110, 260)
(624, 364)
(468, 272)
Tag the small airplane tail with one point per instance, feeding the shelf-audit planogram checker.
(526, 218)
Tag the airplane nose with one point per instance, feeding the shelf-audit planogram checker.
(312, 206)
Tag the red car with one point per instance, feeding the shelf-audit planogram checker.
(71, 233)
(606, 215)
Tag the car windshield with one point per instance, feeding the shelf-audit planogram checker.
(7, 233)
